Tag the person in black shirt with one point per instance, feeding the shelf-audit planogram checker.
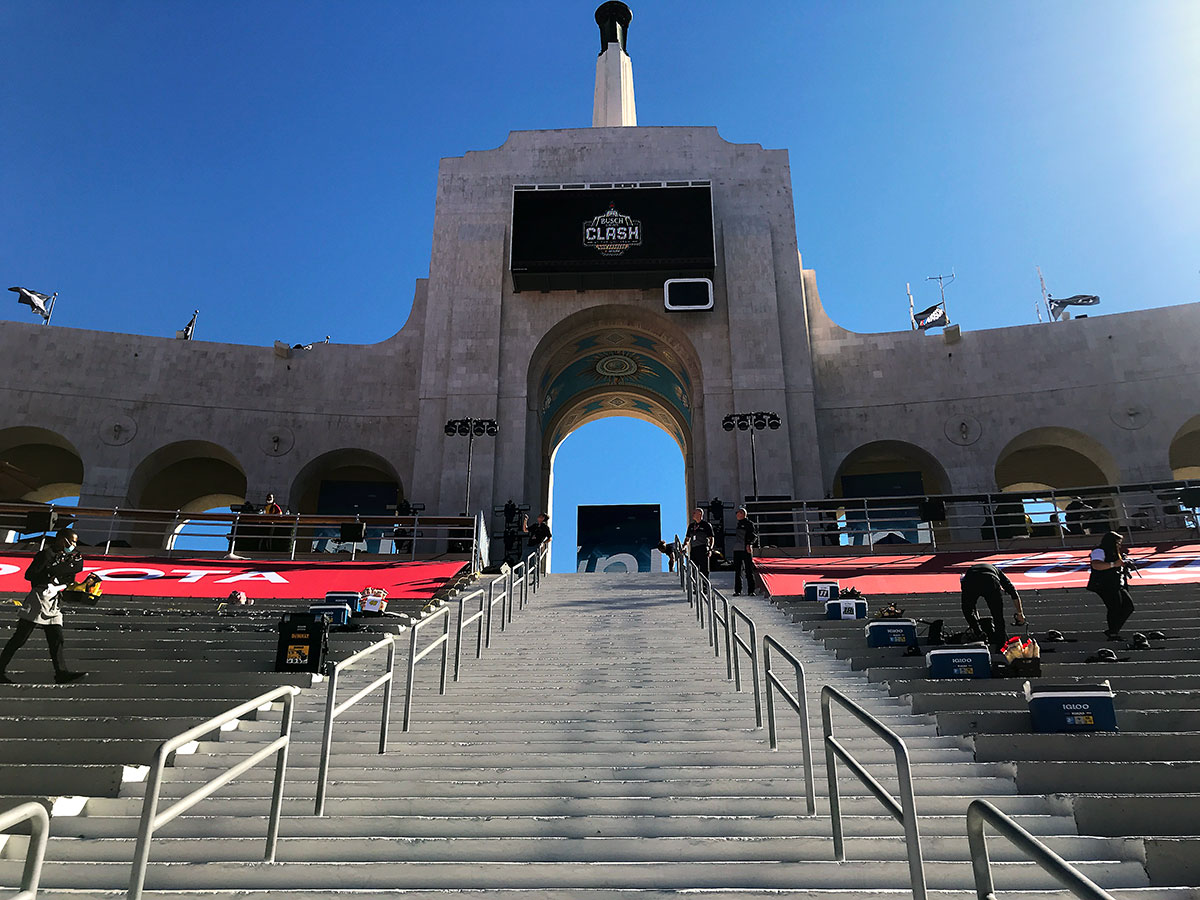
(539, 536)
(986, 581)
(700, 540)
(53, 568)
(745, 536)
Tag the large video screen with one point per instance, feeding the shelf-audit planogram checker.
(618, 538)
(616, 237)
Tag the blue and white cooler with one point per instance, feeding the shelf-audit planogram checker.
(336, 613)
(892, 633)
(353, 599)
(847, 608)
(1058, 708)
(821, 591)
(971, 661)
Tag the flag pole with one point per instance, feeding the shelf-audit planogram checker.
(1045, 301)
(912, 316)
(50, 309)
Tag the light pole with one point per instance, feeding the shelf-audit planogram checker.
(752, 422)
(471, 429)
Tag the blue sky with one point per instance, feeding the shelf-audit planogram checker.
(273, 163)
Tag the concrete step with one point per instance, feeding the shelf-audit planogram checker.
(392, 875)
(543, 848)
(1144, 893)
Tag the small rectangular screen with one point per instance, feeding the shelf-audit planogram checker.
(600, 238)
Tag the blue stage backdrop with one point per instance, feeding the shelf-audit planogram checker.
(618, 538)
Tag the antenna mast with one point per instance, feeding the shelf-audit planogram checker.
(942, 281)
(1045, 297)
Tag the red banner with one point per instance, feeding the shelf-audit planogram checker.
(939, 573)
(145, 576)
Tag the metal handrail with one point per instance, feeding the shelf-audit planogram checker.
(463, 622)
(492, 600)
(905, 811)
(981, 812)
(798, 702)
(152, 819)
(513, 581)
(35, 853)
(414, 657)
(714, 638)
(332, 711)
(751, 651)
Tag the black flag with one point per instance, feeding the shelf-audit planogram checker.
(1057, 306)
(35, 301)
(934, 317)
(185, 334)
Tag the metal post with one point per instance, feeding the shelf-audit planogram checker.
(326, 742)
(470, 450)
(753, 463)
(295, 536)
(112, 523)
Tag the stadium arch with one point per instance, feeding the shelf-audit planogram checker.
(1183, 454)
(1055, 458)
(38, 465)
(346, 481)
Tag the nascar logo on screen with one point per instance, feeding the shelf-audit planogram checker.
(612, 232)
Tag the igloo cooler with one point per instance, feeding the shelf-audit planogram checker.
(892, 633)
(972, 661)
(846, 609)
(820, 591)
(1058, 708)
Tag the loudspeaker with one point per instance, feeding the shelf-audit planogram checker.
(1190, 497)
(40, 520)
(353, 532)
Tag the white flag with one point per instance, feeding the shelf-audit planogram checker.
(35, 301)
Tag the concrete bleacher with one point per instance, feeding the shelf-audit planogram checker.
(596, 751)
(1143, 781)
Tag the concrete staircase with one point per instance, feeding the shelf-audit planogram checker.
(597, 750)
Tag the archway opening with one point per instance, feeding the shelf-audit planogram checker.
(346, 482)
(200, 535)
(1184, 453)
(1039, 465)
(870, 476)
(188, 477)
(38, 466)
(616, 460)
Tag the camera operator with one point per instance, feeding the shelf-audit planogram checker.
(1110, 580)
(52, 570)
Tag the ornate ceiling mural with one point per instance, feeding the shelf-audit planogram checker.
(615, 371)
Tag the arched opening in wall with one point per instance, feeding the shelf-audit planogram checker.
(38, 466)
(1184, 453)
(872, 479)
(346, 482)
(1044, 466)
(620, 363)
(617, 488)
(187, 477)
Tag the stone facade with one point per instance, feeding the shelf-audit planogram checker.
(154, 421)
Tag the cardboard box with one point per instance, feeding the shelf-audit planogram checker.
(846, 609)
(972, 661)
(892, 633)
(1056, 709)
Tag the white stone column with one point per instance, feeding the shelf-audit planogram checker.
(613, 105)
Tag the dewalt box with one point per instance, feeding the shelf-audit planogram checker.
(892, 633)
(971, 661)
(1057, 708)
(849, 608)
(820, 591)
(302, 645)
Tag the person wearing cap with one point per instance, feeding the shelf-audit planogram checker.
(700, 540)
(52, 570)
(1109, 579)
(745, 535)
(986, 581)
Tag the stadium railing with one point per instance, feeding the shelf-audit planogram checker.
(108, 530)
(39, 833)
(1150, 512)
